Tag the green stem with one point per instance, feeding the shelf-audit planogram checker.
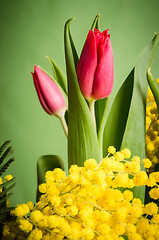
(91, 108)
(101, 128)
(63, 122)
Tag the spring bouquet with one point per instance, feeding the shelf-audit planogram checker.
(111, 189)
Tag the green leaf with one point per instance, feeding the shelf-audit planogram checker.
(154, 87)
(4, 199)
(47, 163)
(4, 145)
(6, 190)
(134, 135)
(74, 52)
(99, 110)
(59, 77)
(117, 118)
(125, 125)
(7, 153)
(95, 23)
(5, 166)
(82, 138)
(6, 183)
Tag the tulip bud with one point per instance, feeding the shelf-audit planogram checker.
(48, 92)
(95, 69)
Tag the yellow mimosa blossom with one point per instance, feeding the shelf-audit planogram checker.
(8, 177)
(152, 129)
(88, 204)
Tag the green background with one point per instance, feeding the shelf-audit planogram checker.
(31, 30)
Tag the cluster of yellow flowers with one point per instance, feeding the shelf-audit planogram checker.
(7, 178)
(88, 203)
(152, 130)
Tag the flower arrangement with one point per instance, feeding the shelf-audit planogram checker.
(112, 188)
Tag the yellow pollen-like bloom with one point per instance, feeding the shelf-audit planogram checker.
(8, 177)
(93, 202)
(111, 149)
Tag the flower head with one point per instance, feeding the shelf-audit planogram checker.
(95, 69)
(48, 92)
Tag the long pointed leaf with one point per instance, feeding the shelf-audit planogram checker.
(117, 118)
(95, 23)
(75, 55)
(154, 87)
(82, 138)
(59, 77)
(134, 136)
(4, 167)
(7, 153)
(4, 184)
(4, 145)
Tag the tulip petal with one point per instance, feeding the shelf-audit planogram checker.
(48, 92)
(41, 98)
(104, 75)
(87, 64)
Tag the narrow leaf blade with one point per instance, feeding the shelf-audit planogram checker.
(95, 23)
(4, 145)
(134, 135)
(4, 167)
(154, 87)
(117, 118)
(58, 75)
(82, 138)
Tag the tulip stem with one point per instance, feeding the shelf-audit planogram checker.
(101, 128)
(91, 107)
(63, 122)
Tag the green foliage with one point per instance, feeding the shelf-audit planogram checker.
(154, 87)
(6, 187)
(5, 151)
(59, 77)
(82, 138)
(125, 126)
(44, 164)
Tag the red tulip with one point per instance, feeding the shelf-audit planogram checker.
(49, 93)
(95, 69)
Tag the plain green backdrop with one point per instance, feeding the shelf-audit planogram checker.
(33, 29)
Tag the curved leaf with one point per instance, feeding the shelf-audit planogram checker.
(125, 126)
(82, 138)
(74, 52)
(117, 118)
(134, 135)
(44, 164)
(59, 77)
(154, 87)
(95, 23)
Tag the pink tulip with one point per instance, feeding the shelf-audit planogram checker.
(48, 92)
(95, 69)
